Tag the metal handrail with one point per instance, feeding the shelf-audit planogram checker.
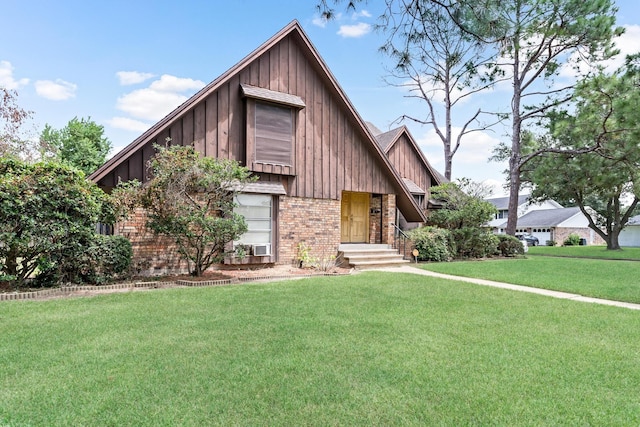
(400, 235)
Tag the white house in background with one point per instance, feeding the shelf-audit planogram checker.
(548, 221)
(630, 235)
(502, 204)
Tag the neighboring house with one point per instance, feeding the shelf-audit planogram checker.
(410, 163)
(502, 205)
(630, 234)
(548, 221)
(323, 178)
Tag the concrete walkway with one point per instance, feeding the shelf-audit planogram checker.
(554, 294)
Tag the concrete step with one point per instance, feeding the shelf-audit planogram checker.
(369, 256)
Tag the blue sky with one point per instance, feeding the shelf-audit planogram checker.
(128, 63)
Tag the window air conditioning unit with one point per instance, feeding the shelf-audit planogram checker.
(262, 250)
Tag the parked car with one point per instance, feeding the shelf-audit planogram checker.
(531, 240)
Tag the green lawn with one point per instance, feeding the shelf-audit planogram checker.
(371, 349)
(586, 252)
(608, 279)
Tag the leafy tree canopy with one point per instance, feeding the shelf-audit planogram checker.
(596, 161)
(190, 199)
(48, 214)
(81, 143)
(13, 118)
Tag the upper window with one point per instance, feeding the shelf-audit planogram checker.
(271, 129)
(273, 134)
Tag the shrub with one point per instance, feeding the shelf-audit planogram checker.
(110, 258)
(551, 243)
(509, 245)
(474, 242)
(572, 240)
(432, 243)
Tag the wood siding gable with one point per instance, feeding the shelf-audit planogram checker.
(333, 151)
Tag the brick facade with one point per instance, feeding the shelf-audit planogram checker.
(388, 218)
(315, 222)
(375, 219)
(152, 255)
(561, 234)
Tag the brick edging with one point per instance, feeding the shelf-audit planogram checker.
(67, 290)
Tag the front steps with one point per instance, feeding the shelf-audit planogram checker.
(362, 256)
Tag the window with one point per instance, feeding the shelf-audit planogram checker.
(502, 214)
(256, 210)
(273, 133)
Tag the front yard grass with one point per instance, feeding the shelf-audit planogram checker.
(598, 278)
(599, 252)
(370, 349)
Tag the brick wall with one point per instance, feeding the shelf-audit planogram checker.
(152, 255)
(316, 222)
(388, 218)
(561, 234)
(375, 219)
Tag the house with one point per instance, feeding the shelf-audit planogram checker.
(323, 178)
(548, 220)
(502, 205)
(411, 164)
(630, 234)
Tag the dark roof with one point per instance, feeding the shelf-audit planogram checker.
(271, 95)
(373, 128)
(546, 217)
(502, 203)
(413, 187)
(386, 139)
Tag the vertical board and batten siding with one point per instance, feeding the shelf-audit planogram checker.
(408, 163)
(331, 153)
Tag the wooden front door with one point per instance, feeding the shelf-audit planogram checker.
(354, 217)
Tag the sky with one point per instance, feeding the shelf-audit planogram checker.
(128, 63)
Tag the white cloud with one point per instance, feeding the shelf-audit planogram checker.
(159, 99)
(132, 77)
(7, 80)
(168, 83)
(127, 123)
(362, 14)
(58, 90)
(357, 30)
(475, 149)
(319, 21)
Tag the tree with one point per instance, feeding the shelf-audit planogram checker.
(13, 118)
(441, 65)
(531, 40)
(81, 143)
(605, 179)
(438, 63)
(465, 217)
(536, 37)
(48, 214)
(190, 199)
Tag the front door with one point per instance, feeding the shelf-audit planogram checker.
(355, 217)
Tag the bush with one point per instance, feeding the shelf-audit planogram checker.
(509, 245)
(432, 243)
(572, 240)
(110, 258)
(97, 261)
(474, 242)
(551, 243)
